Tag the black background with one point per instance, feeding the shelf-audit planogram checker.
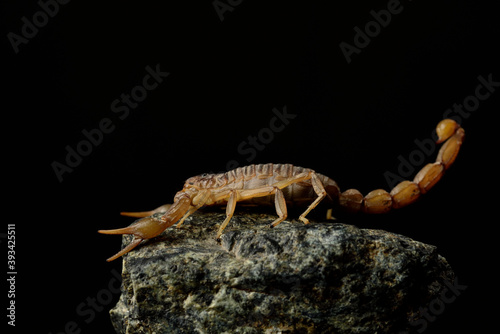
(226, 76)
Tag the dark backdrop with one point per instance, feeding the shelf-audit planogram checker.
(353, 118)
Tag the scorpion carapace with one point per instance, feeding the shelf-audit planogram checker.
(279, 184)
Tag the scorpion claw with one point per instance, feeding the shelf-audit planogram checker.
(127, 249)
(125, 230)
(142, 214)
(145, 228)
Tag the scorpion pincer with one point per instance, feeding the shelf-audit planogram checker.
(279, 184)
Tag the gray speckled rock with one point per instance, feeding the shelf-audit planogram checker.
(295, 278)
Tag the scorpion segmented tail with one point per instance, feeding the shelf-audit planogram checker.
(407, 192)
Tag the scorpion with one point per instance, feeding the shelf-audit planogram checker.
(279, 184)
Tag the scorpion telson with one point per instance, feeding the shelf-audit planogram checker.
(279, 184)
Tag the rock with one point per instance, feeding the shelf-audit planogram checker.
(318, 278)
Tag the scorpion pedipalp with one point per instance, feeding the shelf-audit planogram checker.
(142, 214)
(134, 243)
(145, 228)
(150, 227)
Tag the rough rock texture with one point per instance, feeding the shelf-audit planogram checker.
(320, 278)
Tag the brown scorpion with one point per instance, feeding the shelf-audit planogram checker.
(281, 183)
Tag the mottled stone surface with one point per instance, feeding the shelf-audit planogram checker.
(320, 278)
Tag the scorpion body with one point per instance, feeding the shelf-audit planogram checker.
(282, 184)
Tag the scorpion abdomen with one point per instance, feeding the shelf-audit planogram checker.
(261, 175)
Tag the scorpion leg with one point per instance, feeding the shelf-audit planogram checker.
(231, 206)
(280, 203)
(320, 191)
